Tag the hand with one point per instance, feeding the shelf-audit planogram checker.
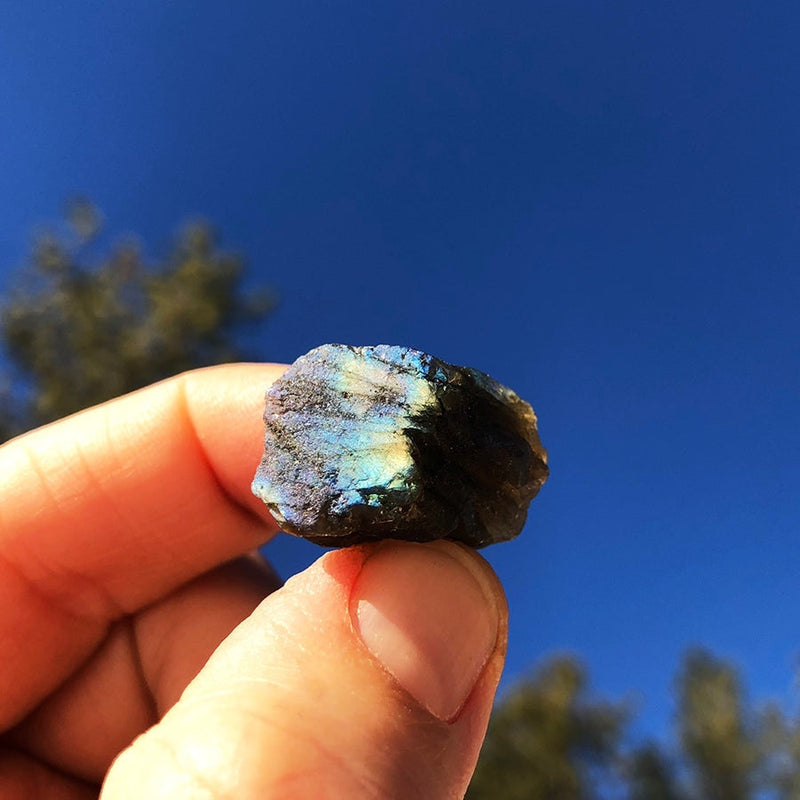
(140, 644)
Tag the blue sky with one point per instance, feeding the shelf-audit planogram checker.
(596, 203)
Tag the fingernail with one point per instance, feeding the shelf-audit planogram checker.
(426, 613)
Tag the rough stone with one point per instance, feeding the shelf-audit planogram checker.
(384, 442)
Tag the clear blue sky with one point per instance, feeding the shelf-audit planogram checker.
(596, 203)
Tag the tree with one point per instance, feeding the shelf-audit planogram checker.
(80, 329)
(547, 741)
(717, 732)
(651, 776)
(779, 754)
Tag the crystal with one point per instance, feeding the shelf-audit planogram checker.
(387, 442)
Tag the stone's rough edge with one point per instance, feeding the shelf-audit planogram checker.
(448, 379)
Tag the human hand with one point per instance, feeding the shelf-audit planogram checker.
(132, 622)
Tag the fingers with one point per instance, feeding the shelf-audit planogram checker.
(369, 675)
(140, 670)
(24, 778)
(114, 507)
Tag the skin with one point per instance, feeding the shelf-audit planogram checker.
(145, 652)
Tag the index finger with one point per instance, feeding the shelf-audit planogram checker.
(110, 509)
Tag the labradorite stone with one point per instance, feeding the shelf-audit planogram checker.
(367, 443)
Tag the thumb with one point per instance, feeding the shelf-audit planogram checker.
(369, 675)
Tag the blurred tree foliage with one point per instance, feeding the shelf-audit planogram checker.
(548, 741)
(81, 326)
(717, 737)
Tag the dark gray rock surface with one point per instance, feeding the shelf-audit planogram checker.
(368, 443)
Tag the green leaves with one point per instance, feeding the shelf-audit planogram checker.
(548, 740)
(718, 739)
(80, 328)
